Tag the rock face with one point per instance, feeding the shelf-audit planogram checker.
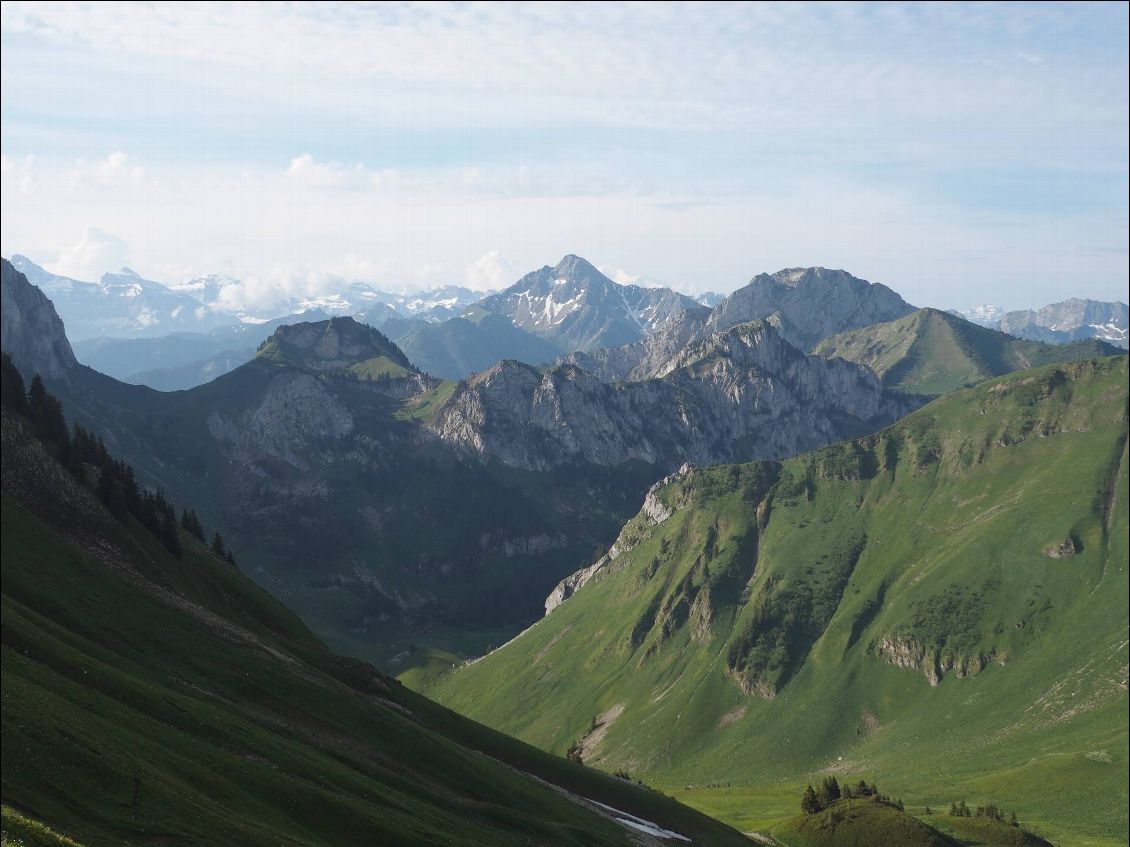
(578, 308)
(642, 359)
(911, 654)
(31, 330)
(737, 395)
(810, 304)
(656, 509)
(1071, 320)
(1064, 549)
(293, 420)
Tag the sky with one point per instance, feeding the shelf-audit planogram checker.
(960, 153)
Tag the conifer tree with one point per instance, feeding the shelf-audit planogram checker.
(110, 493)
(12, 389)
(46, 414)
(810, 804)
(191, 523)
(829, 791)
(169, 536)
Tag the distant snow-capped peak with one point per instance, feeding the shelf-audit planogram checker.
(984, 315)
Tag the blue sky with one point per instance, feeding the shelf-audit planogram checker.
(959, 153)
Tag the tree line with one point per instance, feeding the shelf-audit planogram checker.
(991, 811)
(84, 454)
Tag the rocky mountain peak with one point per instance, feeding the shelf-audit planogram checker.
(576, 307)
(31, 329)
(792, 276)
(574, 267)
(334, 344)
(810, 304)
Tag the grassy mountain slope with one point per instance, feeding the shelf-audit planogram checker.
(950, 591)
(155, 699)
(931, 352)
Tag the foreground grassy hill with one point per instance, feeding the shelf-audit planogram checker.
(943, 604)
(931, 352)
(153, 698)
(860, 823)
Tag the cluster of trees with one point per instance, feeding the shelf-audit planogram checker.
(830, 792)
(813, 801)
(990, 810)
(85, 455)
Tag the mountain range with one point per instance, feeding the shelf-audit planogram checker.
(1071, 320)
(804, 305)
(823, 580)
(124, 305)
(121, 304)
(328, 471)
(569, 307)
(182, 335)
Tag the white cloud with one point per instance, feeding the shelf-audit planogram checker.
(94, 254)
(673, 64)
(306, 172)
(490, 271)
(617, 275)
(115, 173)
(281, 285)
(21, 173)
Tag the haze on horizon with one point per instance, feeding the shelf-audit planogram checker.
(961, 153)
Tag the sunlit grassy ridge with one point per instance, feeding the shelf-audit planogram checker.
(931, 352)
(20, 831)
(755, 637)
